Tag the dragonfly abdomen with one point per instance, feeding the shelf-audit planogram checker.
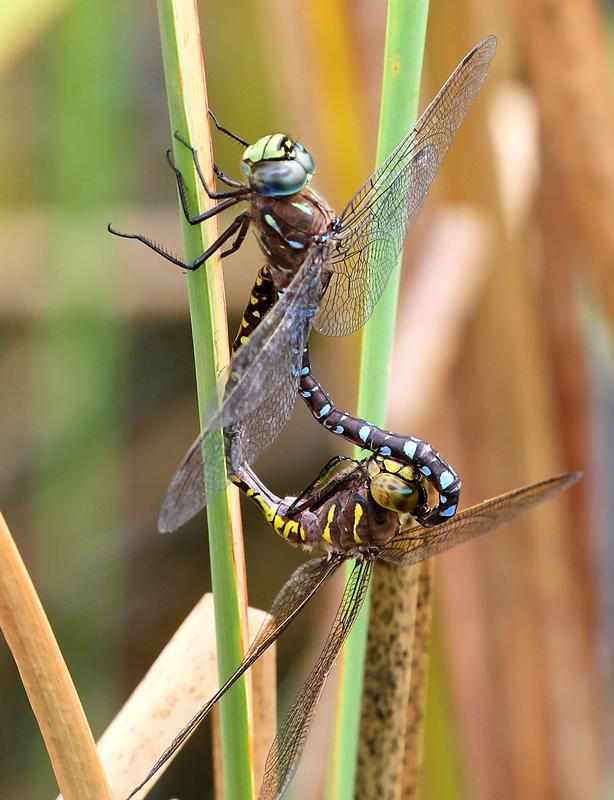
(404, 449)
(271, 506)
(261, 299)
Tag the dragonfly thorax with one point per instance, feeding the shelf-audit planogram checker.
(348, 522)
(277, 166)
(287, 228)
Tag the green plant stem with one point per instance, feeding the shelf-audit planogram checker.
(188, 114)
(405, 36)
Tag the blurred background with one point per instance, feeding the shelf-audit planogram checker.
(504, 362)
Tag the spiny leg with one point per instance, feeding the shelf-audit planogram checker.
(242, 188)
(226, 178)
(221, 128)
(224, 236)
(406, 449)
(243, 228)
(238, 194)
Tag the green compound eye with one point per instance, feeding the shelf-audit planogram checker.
(395, 494)
(277, 166)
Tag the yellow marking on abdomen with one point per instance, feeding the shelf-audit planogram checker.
(358, 512)
(269, 511)
(291, 528)
(330, 517)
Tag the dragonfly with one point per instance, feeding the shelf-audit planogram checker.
(323, 271)
(358, 511)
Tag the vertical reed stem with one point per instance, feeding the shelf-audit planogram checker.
(405, 35)
(187, 99)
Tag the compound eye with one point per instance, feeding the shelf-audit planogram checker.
(277, 178)
(396, 494)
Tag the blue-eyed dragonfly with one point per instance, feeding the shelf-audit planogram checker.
(360, 511)
(322, 270)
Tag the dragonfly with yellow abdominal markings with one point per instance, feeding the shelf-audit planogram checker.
(322, 270)
(355, 510)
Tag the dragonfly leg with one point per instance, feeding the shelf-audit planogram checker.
(243, 190)
(243, 228)
(224, 236)
(405, 449)
(221, 128)
(226, 178)
(239, 194)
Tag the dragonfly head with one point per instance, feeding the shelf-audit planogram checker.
(395, 486)
(277, 165)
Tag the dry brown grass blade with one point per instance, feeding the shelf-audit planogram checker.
(525, 692)
(444, 289)
(47, 681)
(178, 683)
(387, 681)
(414, 732)
(569, 65)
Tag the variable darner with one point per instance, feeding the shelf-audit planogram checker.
(322, 270)
(360, 510)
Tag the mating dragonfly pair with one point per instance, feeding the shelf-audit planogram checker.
(328, 272)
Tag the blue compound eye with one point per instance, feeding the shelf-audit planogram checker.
(273, 178)
(277, 166)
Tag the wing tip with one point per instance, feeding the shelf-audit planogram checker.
(165, 523)
(567, 479)
(487, 45)
(172, 516)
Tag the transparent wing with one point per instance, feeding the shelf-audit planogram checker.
(417, 543)
(288, 745)
(330, 477)
(187, 492)
(291, 599)
(258, 398)
(375, 222)
(274, 350)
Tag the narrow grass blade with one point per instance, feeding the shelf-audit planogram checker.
(405, 35)
(186, 90)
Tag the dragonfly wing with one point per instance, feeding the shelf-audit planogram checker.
(259, 390)
(261, 366)
(290, 600)
(288, 745)
(191, 487)
(416, 543)
(374, 224)
(330, 477)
